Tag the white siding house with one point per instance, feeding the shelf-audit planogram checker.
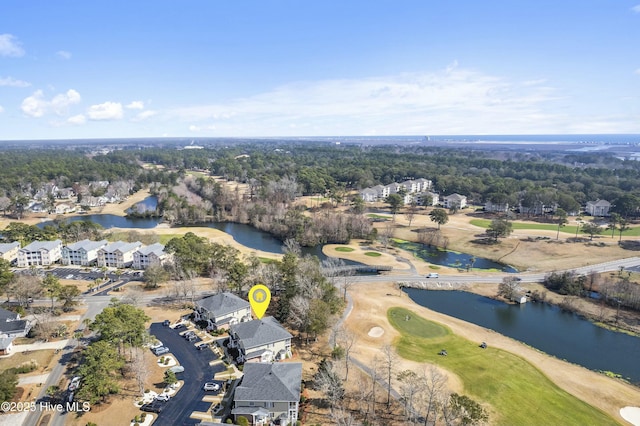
(454, 201)
(269, 394)
(152, 255)
(40, 253)
(261, 340)
(222, 310)
(82, 253)
(118, 254)
(598, 208)
(9, 251)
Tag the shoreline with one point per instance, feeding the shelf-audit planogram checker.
(369, 311)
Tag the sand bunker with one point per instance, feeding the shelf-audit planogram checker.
(631, 414)
(376, 332)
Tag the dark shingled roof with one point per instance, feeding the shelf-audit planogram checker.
(222, 304)
(270, 382)
(259, 332)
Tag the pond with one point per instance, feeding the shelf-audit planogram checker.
(149, 204)
(111, 221)
(256, 239)
(545, 327)
(452, 259)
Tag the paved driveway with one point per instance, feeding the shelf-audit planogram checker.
(196, 371)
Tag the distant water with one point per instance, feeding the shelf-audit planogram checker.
(611, 139)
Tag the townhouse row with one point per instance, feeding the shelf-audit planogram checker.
(119, 254)
(269, 391)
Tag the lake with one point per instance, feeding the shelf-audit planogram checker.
(256, 239)
(545, 327)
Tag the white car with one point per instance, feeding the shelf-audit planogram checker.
(163, 397)
(211, 386)
(75, 383)
(433, 275)
(158, 344)
(177, 369)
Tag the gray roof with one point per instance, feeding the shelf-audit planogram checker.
(270, 382)
(156, 248)
(222, 304)
(5, 247)
(259, 332)
(87, 245)
(121, 246)
(18, 326)
(42, 245)
(5, 342)
(6, 315)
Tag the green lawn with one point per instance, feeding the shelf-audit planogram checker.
(377, 216)
(571, 229)
(344, 249)
(372, 253)
(518, 391)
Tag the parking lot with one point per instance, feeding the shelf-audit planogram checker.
(197, 371)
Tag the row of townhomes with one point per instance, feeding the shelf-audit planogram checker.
(119, 254)
(269, 391)
(598, 208)
(418, 191)
(40, 201)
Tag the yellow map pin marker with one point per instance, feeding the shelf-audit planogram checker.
(259, 298)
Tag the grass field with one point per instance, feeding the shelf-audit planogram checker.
(372, 254)
(570, 229)
(344, 249)
(517, 391)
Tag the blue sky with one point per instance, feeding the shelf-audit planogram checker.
(110, 69)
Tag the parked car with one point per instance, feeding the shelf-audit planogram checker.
(189, 333)
(166, 323)
(433, 275)
(158, 344)
(163, 397)
(211, 386)
(177, 369)
(160, 351)
(179, 327)
(201, 346)
(75, 383)
(153, 407)
(192, 337)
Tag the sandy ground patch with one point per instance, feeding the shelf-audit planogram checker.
(376, 332)
(631, 414)
(370, 309)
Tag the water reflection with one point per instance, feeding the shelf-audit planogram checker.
(544, 327)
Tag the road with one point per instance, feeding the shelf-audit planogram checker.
(189, 398)
(94, 307)
(197, 371)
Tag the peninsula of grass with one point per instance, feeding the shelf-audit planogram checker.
(344, 249)
(372, 253)
(518, 392)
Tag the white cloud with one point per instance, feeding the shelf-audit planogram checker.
(144, 115)
(12, 82)
(636, 8)
(77, 120)
(135, 105)
(105, 111)
(1, 109)
(450, 101)
(196, 129)
(637, 71)
(63, 54)
(61, 102)
(10, 46)
(36, 105)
